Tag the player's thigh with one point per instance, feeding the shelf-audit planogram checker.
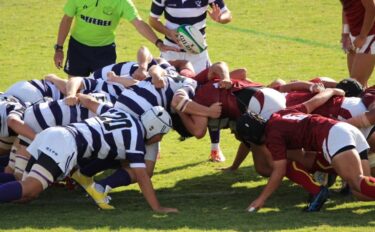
(363, 65)
(348, 165)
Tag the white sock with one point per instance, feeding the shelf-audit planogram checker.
(99, 188)
(215, 146)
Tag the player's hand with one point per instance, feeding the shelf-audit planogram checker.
(111, 76)
(317, 88)
(172, 34)
(71, 100)
(346, 43)
(228, 169)
(338, 92)
(255, 205)
(215, 110)
(59, 58)
(158, 82)
(140, 74)
(166, 210)
(215, 13)
(359, 41)
(225, 84)
(164, 48)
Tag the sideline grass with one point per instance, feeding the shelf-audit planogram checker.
(288, 39)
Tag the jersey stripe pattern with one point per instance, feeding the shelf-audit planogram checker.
(121, 69)
(47, 89)
(112, 135)
(9, 106)
(141, 97)
(113, 89)
(191, 12)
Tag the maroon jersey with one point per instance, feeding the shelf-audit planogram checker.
(354, 13)
(293, 129)
(332, 108)
(208, 92)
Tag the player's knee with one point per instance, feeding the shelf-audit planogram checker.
(199, 132)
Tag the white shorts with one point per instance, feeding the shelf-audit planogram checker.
(57, 143)
(368, 47)
(152, 151)
(200, 61)
(342, 135)
(26, 92)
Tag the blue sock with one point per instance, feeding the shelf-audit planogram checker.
(10, 191)
(214, 136)
(119, 178)
(4, 160)
(98, 165)
(6, 177)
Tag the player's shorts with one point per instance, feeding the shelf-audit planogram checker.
(82, 60)
(6, 142)
(57, 143)
(368, 47)
(200, 61)
(353, 106)
(26, 92)
(152, 151)
(267, 101)
(340, 136)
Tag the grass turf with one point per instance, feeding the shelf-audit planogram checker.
(291, 39)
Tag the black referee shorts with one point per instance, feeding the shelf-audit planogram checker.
(82, 60)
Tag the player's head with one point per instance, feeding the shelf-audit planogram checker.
(156, 121)
(351, 87)
(250, 128)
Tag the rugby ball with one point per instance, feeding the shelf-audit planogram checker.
(191, 39)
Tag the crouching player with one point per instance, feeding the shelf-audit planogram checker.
(113, 135)
(341, 144)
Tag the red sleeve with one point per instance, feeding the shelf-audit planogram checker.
(300, 107)
(276, 144)
(202, 77)
(316, 80)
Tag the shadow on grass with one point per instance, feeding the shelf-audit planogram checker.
(210, 202)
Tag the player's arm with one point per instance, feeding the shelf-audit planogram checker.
(322, 98)
(221, 70)
(20, 127)
(144, 57)
(182, 103)
(72, 87)
(301, 86)
(158, 78)
(64, 28)
(368, 22)
(57, 81)
(196, 125)
(145, 30)
(277, 175)
(88, 102)
(125, 81)
(242, 153)
(148, 191)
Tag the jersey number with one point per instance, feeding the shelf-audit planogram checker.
(116, 121)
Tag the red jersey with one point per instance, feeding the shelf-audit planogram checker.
(355, 13)
(208, 92)
(293, 129)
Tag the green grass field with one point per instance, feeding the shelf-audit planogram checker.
(290, 39)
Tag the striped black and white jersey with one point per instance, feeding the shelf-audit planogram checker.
(9, 107)
(93, 85)
(143, 96)
(112, 135)
(55, 113)
(178, 12)
(35, 91)
(120, 69)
